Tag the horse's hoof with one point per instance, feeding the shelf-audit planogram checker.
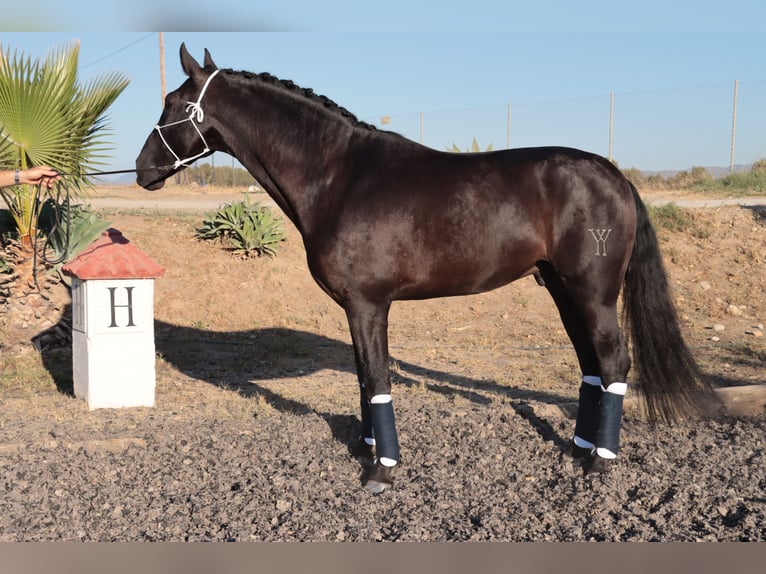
(577, 452)
(598, 465)
(376, 487)
(379, 479)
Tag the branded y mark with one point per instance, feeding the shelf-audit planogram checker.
(600, 235)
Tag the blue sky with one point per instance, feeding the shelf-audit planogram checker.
(670, 66)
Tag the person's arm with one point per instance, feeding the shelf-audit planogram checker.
(41, 174)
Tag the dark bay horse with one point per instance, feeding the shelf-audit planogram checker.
(384, 219)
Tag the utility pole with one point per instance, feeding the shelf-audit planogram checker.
(733, 126)
(508, 129)
(163, 87)
(611, 123)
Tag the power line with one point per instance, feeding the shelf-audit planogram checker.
(150, 34)
(567, 100)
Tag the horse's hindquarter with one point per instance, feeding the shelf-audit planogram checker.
(592, 221)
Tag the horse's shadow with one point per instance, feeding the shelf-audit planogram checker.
(239, 359)
(759, 212)
(245, 361)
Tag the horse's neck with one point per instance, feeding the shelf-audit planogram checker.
(296, 157)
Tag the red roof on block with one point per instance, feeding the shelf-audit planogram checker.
(112, 256)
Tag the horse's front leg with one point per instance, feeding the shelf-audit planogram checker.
(369, 332)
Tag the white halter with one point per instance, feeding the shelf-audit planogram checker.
(194, 110)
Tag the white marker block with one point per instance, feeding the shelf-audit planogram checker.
(113, 352)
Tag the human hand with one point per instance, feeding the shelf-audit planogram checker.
(39, 175)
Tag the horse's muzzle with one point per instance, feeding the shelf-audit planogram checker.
(151, 181)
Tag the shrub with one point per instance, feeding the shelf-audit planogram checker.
(670, 217)
(759, 168)
(248, 229)
(744, 183)
(697, 177)
(635, 176)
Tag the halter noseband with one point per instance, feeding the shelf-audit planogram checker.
(194, 109)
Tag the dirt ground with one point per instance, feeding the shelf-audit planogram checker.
(257, 403)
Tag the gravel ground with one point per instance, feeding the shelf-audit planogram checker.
(281, 471)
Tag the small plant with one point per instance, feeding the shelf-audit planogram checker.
(248, 229)
(670, 217)
(69, 229)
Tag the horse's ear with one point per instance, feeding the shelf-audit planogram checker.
(189, 65)
(209, 63)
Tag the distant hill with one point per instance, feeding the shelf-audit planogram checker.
(120, 179)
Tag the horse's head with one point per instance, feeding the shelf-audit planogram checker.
(180, 135)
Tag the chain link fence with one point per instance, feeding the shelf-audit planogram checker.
(656, 130)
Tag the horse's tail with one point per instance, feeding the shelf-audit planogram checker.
(669, 379)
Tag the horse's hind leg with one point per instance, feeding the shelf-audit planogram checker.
(583, 442)
(613, 356)
(589, 314)
(614, 363)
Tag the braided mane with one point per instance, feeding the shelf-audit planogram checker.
(307, 93)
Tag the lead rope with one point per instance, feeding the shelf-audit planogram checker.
(56, 205)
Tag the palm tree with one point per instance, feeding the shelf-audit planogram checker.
(473, 149)
(46, 117)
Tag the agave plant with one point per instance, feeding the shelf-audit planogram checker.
(249, 229)
(68, 228)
